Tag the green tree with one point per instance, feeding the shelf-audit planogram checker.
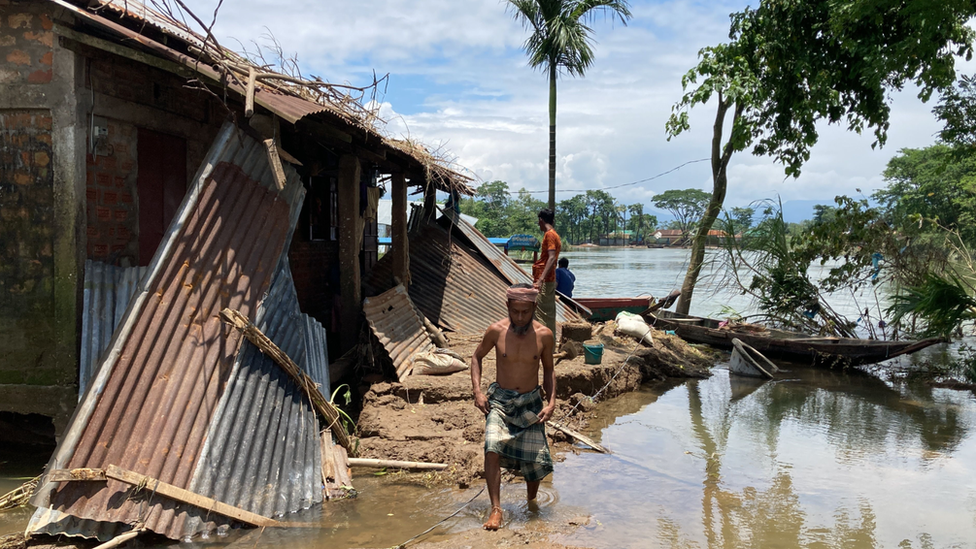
(562, 41)
(933, 184)
(523, 213)
(686, 205)
(742, 218)
(571, 218)
(792, 63)
(603, 212)
(957, 110)
(490, 205)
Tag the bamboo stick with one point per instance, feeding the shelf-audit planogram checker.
(580, 437)
(120, 539)
(305, 383)
(394, 464)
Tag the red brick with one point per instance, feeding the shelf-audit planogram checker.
(101, 250)
(47, 59)
(91, 231)
(103, 214)
(18, 57)
(125, 198)
(43, 122)
(123, 233)
(18, 20)
(120, 215)
(89, 178)
(110, 198)
(109, 163)
(126, 166)
(118, 248)
(46, 22)
(41, 158)
(91, 194)
(119, 182)
(40, 77)
(22, 178)
(46, 37)
(104, 180)
(44, 138)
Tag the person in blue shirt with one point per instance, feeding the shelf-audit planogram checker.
(565, 279)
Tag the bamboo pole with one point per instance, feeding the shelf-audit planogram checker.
(394, 464)
(120, 539)
(305, 383)
(580, 437)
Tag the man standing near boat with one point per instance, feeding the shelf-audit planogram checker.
(515, 433)
(544, 269)
(565, 279)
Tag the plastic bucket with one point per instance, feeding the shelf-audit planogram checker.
(593, 354)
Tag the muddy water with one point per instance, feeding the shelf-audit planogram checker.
(813, 459)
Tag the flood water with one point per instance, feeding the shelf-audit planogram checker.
(815, 458)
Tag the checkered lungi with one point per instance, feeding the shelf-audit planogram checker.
(513, 431)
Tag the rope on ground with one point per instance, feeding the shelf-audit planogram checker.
(20, 495)
(597, 394)
(442, 521)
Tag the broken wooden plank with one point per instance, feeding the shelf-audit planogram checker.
(156, 486)
(277, 170)
(336, 477)
(305, 383)
(179, 494)
(580, 437)
(249, 92)
(394, 464)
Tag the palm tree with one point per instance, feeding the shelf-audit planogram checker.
(561, 39)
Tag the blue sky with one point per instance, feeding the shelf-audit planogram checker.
(459, 81)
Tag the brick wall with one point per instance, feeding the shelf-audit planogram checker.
(110, 192)
(26, 240)
(26, 44)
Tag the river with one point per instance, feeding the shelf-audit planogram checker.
(815, 458)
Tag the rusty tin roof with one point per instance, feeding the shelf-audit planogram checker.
(398, 327)
(156, 394)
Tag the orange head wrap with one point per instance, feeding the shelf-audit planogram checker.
(522, 294)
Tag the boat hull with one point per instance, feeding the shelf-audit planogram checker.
(747, 361)
(607, 308)
(791, 346)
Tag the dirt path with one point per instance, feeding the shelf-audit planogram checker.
(433, 418)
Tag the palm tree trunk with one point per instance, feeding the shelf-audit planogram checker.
(552, 136)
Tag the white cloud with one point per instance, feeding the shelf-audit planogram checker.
(467, 87)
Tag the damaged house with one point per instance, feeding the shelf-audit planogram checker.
(152, 186)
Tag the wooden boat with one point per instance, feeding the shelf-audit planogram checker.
(747, 361)
(783, 344)
(606, 308)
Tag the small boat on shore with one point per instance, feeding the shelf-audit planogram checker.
(783, 344)
(606, 308)
(747, 361)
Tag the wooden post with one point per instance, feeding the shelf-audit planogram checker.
(430, 200)
(349, 243)
(401, 244)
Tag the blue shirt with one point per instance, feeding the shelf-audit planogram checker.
(565, 281)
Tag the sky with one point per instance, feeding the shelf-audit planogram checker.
(460, 82)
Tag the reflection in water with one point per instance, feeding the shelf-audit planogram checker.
(815, 458)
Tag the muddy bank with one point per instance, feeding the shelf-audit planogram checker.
(433, 418)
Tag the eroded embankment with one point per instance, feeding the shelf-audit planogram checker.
(433, 418)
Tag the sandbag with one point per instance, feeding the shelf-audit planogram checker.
(634, 326)
(441, 361)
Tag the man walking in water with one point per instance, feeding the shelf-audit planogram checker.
(544, 269)
(515, 433)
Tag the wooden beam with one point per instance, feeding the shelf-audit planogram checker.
(277, 170)
(394, 464)
(401, 244)
(582, 438)
(122, 51)
(350, 242)
(305, 383)
(157, 486)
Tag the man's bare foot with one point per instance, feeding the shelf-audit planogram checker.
(494, 519)
(533, 505)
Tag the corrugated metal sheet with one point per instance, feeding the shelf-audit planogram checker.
(263, 425)
(108, 290)
(503, 263)
(156, 393)
(399, 328)
(452, 285)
